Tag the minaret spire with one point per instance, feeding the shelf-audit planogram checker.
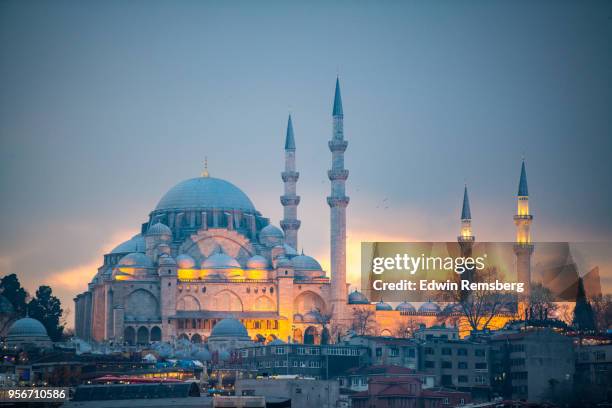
(290, 224)
(523, 219)
(338, 201)
(466, 219)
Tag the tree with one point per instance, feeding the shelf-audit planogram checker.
(363, 321)
(10, 288)
(602, 308)
(405, 328)
(48, 310)
(323, 319)
(481, 305)
(584, 319)
(541, 302)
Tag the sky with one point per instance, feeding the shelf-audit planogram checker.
(104, 106)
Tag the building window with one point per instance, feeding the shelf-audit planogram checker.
(447, 364)
(462, 365)
(479, 353)
(480, 366)
(430, 364)
(462, 352)
(280, 350)
(248, 290)
(271, 290)
(411, 353)
(429, 351)
(378, 352)
(446, 351)
(445, 401)
(394, 352)
(462, 378)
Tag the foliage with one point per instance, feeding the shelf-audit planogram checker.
(48, 310)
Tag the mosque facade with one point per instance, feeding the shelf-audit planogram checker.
(206, 254)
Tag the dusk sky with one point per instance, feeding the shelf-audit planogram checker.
(105, 106)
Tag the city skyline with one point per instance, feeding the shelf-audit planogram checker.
(91, 140)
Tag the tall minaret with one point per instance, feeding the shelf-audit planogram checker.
(465, 238)
(523, 247)
(337, 202)
(290, 224)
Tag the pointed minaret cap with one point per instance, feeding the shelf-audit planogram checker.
(522, 190)
(290, 138)
(465, 211)
(337, 100)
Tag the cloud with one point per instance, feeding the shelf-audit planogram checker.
(76, 277)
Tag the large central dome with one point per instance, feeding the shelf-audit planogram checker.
(205, 192)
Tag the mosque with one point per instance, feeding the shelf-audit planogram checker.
(206, 255)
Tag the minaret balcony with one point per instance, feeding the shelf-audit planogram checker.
(290, 224)
(337, 145)
(338, 201)
(290, 176)
(527, 217)
(289, 200)
(467, 238)
(338, 174)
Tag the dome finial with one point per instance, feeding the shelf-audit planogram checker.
(205, 171)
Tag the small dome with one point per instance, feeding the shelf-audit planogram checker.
(134, 244)
(159, 229)
(27, 327)
(229, 328)
(383, 306)
(136, 260)
(405, 307)
(271, 235)
(357, 298)
(185, 261)
(305, 263)
(220, 260)
(298, 318)
(166, 260)
(283, 262)
(429, 307)
(257, 262)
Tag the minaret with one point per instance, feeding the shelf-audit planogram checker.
(465, 238)
(466, 220)
(523, 247)
(337, 202)
(290, 224)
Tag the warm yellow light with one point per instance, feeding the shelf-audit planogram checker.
(187, 274)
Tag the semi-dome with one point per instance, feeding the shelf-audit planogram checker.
(27, 327)
(159, 229)
(357, 298)
(134, 244)
(185, 261)
(205, 192)
(305, 263)
(229, 328)
(220, 260)
(383, 306)
(429, 307)
(257, 262)
(271, 235)
(298, 318)
(405, 307)
(136, 260)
